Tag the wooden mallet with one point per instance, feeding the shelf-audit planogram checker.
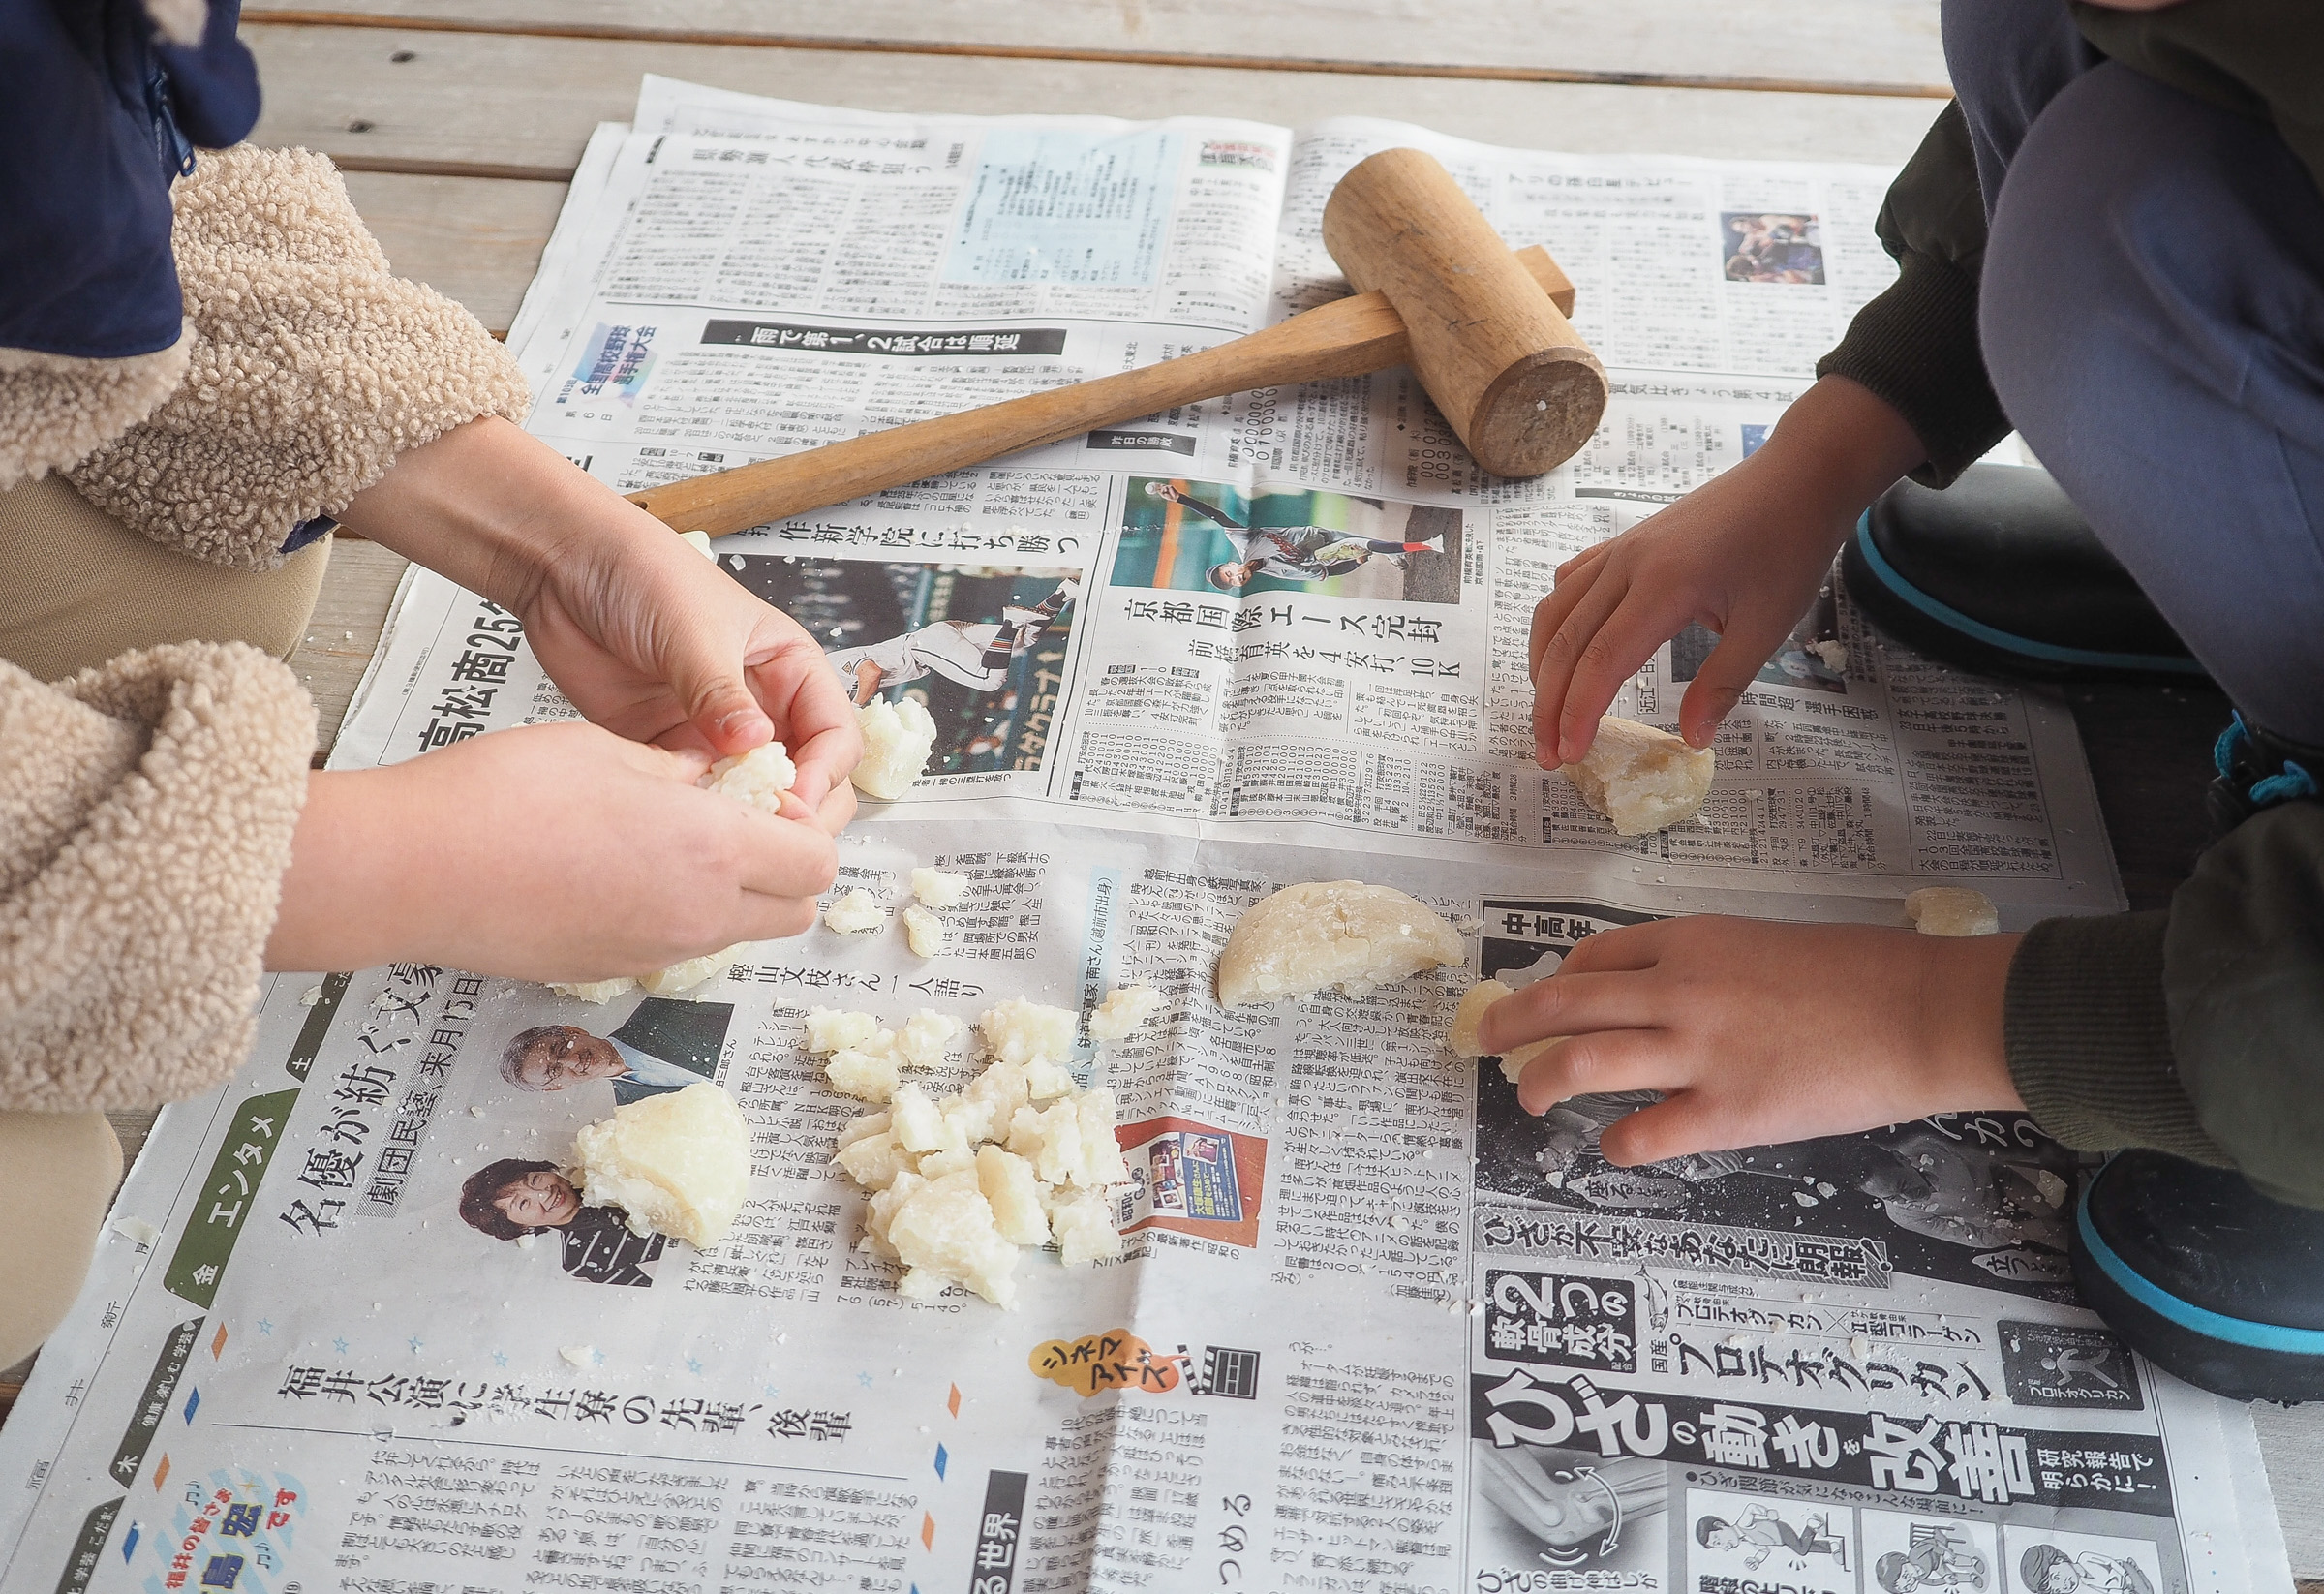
(1435, 287)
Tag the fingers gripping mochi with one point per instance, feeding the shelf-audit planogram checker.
(758, 778)
(1952, 910)
(1324, 932)
(1463, 1041)
(1642, 778)
(678, 1163)
(897, 739)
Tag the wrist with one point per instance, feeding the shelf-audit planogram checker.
(1963, 990)
(347, 898)
(495, 508)
(1841, 445)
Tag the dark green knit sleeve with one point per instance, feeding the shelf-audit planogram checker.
(2089, 1037)
(2243, 972)
(2200, 1032)
(1915, 346)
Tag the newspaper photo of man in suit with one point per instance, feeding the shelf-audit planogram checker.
(663, 1045)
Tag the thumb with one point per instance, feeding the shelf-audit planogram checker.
(1719, 685)
(719, 706)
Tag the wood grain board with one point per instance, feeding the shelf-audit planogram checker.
(1886, 48)
(458, 122)
(436, 102)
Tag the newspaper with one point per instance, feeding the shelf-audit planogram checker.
(1375, 1330)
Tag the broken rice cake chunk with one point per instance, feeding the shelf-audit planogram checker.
(1952, 910)
(923, 930)
(897, 739)
(1021, 1155)
(1642, 778)
(678, 1163)
(855, 910)
(1322, 933)
(1123, 1010)
(938, 889)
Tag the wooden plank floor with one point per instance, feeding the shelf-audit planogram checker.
(1886, 48)
(459, 121)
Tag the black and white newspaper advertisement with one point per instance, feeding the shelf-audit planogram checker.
(1375, 1328)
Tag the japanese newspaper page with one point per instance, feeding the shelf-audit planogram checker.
(1375, 1330)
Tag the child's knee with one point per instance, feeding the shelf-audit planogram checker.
(57, 1174)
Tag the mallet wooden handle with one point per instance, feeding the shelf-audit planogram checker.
(1345, 338)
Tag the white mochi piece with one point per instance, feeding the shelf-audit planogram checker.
(1123, 1010)
(855, 910)
(758, 778)
(1102, 1163)
(678, 1163)
(944, 1233)
(685, 976)
(876, 1161)
(897, 739)
(1083, 1225)
(829, 1029)
(599, 991)
(866, 1076)
(1642, 778)
(935, 888)
(1024, 1032)
(926, 1036)
(923, 930)
(1952, 910)
(1008, 1184)
(1326, 933)
(699, 541)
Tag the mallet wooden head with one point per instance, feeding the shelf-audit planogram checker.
(1510, 373)
(1434, 288)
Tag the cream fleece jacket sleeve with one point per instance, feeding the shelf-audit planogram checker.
(146, 808)
(312, 366)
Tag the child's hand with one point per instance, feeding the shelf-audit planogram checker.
(645, 635)
(1763, 1034)
(1743, 554)
(551, 853)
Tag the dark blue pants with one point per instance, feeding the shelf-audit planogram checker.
(2151, 310)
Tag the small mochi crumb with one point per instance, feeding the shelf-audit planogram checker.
(1952, 910)
(897, 739)
(923, 930)
(938, 889)
(1123, 1010)
(599, 991)
(855, 910)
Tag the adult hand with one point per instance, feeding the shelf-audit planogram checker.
(1743, 554)
(646, 636)
(549, 852)
(1758, 1034)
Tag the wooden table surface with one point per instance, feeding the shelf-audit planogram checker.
(458, 123)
